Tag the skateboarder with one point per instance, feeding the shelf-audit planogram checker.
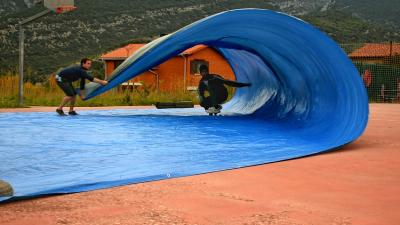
(215, 85)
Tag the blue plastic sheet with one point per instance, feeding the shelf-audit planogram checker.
(299, 74)
(306, 98)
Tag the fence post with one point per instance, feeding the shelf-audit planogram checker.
(391, 48)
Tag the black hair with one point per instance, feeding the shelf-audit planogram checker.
(203, 67)
(84, 60)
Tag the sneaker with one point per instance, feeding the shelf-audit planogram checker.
(72, 113)
(210, 110)
(60, 112)
(213, 110)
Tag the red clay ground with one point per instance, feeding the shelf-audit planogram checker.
(359, 184)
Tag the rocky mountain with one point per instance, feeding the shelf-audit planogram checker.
(386, 12)
(101, 25)
(10, 7)
(300, 7)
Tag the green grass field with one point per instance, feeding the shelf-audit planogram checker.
(49, 94)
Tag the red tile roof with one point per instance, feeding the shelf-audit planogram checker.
(126, 51)
(122, 53)
(375, 50)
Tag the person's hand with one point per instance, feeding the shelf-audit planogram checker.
(82, 94)
(104, 82)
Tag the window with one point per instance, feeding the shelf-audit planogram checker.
(195, 65)
(117, 63)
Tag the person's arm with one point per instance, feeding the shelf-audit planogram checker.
(82, 88)
(82, 84)
(85, 75)
(232, 83)
(96, 80)
(102, 82)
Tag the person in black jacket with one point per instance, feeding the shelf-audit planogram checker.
(65, 78)
(215, 85)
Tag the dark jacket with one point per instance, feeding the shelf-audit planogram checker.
(214, 84)
(75, 73)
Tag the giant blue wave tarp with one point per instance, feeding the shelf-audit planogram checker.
(306, 97)
(298, 73)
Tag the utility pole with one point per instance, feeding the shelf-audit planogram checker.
(21, 52)
(58, 6)
(21, 66)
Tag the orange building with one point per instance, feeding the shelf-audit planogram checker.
(179, 72)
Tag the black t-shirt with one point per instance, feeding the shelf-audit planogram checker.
(75, 73)
(214, 84)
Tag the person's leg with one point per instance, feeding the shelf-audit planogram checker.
(213, 100)
(213, 97)
(206, 103)
(71, 106)
(221, 98)
(70, 93)
(65, 100)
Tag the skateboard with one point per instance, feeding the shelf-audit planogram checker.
(214, 111)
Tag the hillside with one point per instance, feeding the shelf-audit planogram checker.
(99, 26)
(345, 28)
(385, 12)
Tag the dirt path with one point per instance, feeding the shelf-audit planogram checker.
(359, 184)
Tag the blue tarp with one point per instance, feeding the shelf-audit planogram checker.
(306, 98)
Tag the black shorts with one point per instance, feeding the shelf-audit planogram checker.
(67, 88)
(208, 101)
